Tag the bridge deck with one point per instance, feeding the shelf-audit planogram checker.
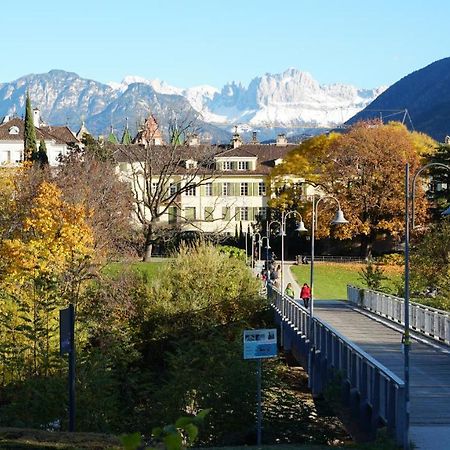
(429, 365)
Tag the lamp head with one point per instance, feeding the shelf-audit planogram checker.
(446, 213)
(339, 218)
(301, 227)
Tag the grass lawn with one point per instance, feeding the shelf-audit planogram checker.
(331, 279)
(147, 269)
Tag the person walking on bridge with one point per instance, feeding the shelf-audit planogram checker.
(289, 291)
(305, 294)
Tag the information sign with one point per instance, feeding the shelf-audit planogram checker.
(260, 343)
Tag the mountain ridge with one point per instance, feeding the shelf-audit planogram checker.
(424, 94)
(291, 99)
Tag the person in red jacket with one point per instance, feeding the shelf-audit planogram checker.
(305, 294)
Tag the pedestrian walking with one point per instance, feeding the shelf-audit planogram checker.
(275, 275)
(305, 294)
(289, 291)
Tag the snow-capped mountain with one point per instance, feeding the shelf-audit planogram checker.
(292, 99)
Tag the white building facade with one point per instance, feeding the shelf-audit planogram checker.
(57, 140)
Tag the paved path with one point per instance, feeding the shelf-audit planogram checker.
(429, 374)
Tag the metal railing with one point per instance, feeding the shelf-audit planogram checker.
(431, 322)
(335, 259)
(379, 392)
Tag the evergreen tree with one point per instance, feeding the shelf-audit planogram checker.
(126, 137)
(440, 191)
(112, 137)
(42, 154)
(29, 135)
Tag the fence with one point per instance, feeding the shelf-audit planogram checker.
(336, 259)
(375, 394)
(431, 322)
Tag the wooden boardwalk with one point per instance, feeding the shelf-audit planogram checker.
(429, 367)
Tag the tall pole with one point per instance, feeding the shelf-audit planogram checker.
(311, 299)
(72, 370)
(259, 418)
(246, 248)
(406, 341)
(311, 273)
(253, 256)
(283, 227)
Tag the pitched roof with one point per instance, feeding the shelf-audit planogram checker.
(41, 133)
(62, 133)
(266, 155)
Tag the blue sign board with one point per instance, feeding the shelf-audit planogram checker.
(260, 344)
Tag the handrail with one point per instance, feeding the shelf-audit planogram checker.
(327, 351)
(429, 321)
(347, 341)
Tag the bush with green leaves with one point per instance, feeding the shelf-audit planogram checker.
(177, 436)
(372, 275)
(430, 267)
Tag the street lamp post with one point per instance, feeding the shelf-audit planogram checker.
(268, 228)
(339, 219)
(300, 228)
(409, 198)
(253, 247)
(267, 249)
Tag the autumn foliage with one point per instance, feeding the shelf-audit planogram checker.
(365, 169)
(44, 259)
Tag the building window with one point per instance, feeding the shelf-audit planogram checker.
(244, 188)
(14, 130)
(189, 213)
(208, 189)
(191, 191)
(226, 189)
(173, 188)
(227, 165)
(154, 187)
(261, 189)
(243, 165)
(173, 214)
(209, 213)
(243, 213)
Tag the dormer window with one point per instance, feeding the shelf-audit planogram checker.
(227, 165)
(14, 130)
(191, 164)
(243, 165)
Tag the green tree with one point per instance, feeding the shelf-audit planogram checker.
(96, 149)
(430, 266)
(29, 136)
(372, 275)
(42, 156)
(440, 192)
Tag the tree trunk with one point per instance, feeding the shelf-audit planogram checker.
(366, 245)
(148, 246)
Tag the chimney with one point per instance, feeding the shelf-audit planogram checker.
(281, 140)
(236, 140)
(36, 117)
(254, 139)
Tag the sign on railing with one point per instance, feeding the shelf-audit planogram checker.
(432, 322)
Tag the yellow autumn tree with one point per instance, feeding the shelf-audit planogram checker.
(42, 268)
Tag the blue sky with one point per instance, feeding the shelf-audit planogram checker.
(191, 42)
